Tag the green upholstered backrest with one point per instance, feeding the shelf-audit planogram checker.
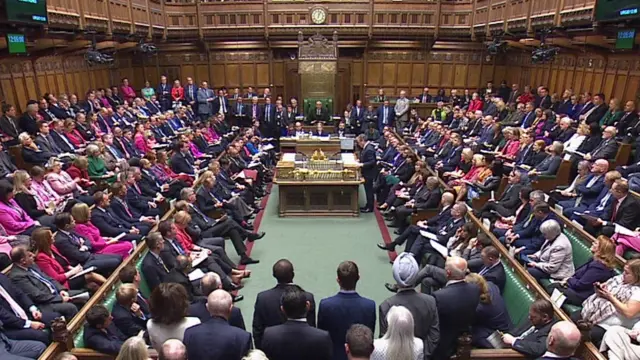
(581, 250)
(310, 103)
(144, 287)
(516, 296)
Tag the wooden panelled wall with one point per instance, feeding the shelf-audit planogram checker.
(614, 75)
(25, 79)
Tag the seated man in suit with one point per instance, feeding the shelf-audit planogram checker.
(319, 131)
(607, 148)
(229, 343)
(100, 333)
(46, 293)
(31, 152)
(422, 306)
(410, 234)
(296, 339)
(443, 233)
(78, 250)
(623, 211)
(139, 204)
(427, 196)
(524, 213)
(336, 314)
(154, 268)
(598, 207)
(508, 202)
(456, 304)
(109, 225)
(45, 141)
(532, 341)
(180, 275)
(20, 349)
(127, 315)
(318, 114)
(267, 308)
(493, 270)
(528, 236)
(208, 284)
(130, 275)
(123, 212)
(182, 162)
(21, 319)
(563, 341)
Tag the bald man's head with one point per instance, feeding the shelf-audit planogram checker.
(209, 283)
(219, 303)
(563, 339)
(600, 166)
(173, 349)
(447, 198)
(456, 268)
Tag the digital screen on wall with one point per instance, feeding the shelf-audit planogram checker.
(16, 43)
(26, 11)
(626, 38)
(607, 10)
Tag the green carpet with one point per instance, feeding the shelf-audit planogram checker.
(316, 246)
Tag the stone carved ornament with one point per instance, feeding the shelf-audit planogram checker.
(318, 47)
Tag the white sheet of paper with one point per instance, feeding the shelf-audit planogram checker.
(84, 271)
(196, 274)
(197, 261)
(428, 235)
(623, 230)
(82, 296)
(120, 236)
(440, 248)
(559, 208)
(558, 298)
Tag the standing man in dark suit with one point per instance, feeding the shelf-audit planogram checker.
(268, 125)
(45, 292)
(208, 284)
(357, 117)
(422, 306)
(220, 104)
(545, 99)
(229, 343)
(153, 268)
(204, 97)
(164, 94)
(368, 168)
(190, 93)
(456, 304)
(386, 116)
(296, 339)
(239, 110)
(563, 341)
(337, 313)
(267, 308)
(8, 125)
(532, 338)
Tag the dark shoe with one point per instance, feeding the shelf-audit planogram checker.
(397, 232)
(391, 287)
(238, 298)
(235, 287)
(255, 236)
(248, 261)
(388, 247)
(366, 210)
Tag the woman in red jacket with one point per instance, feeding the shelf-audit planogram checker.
(72, 134)
(78, 170)
(56, 266)
(177, 93)
(476, 103)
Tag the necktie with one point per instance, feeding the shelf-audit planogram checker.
(126, 153)
(44, 280)
(177, 248)
(616, 205)
(318, 112)
(200, 213)
(14, 305)
(142, 299)
(126, 208)
(254, 111)
(384, 115)
(159, 260)
(239, 109)
(190, 92)
(268, 113)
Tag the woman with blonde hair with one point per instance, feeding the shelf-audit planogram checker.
(491, 313)
(36, 207)
(133, 349)
(399, 342)
(82, 215)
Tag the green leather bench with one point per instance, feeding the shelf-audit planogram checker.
(517, 297)
(78, 339)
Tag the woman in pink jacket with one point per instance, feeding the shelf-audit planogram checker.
(82, 215)
(13, 218)
(63, 184)
(127, 91)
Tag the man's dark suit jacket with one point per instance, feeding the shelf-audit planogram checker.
(425, 316)
(107, 343)
(107, 223)
(337, 313)
(126, 321)
(9, 127)
(441, 218)
(549, 166)
(198, 309)
(47, 143)
(313, 115)
(391, 116)
(267, 311)
(175, 276)
(137, 201)
(510, 198)
(216, 340)
(37, 291)
(534, 344)
(456, 305)
(71, 250)
(427, 199)
(451, 161)
(31, 156)
(28, 124)
(296, 340)
(607, 149)
(180, 164)
(597, 114)
(496, 275)
(120, 212)
(154, 273)
(8, 318)
(627, 214)
(368, 160)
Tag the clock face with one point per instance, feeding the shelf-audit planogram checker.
(318, 16)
